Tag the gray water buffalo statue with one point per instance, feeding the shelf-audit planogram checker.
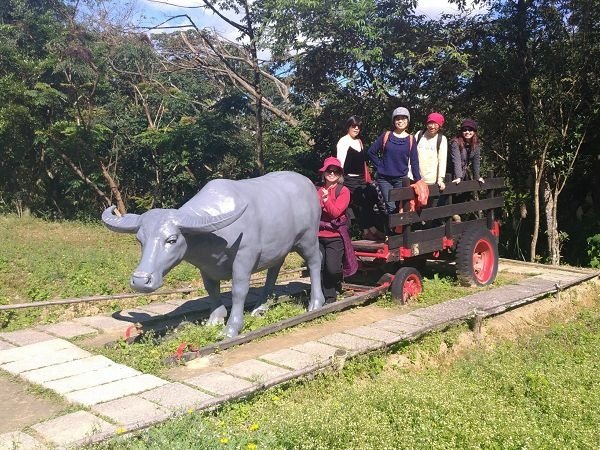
(229, 230)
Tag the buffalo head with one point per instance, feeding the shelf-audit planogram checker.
(161, 232)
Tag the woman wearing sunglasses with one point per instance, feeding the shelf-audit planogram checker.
(465, 154)
(353, 158)
(337, 255)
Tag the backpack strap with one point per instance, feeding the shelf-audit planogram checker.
(419, 135)
(386, 136)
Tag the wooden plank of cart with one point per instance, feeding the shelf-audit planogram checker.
(413, 236)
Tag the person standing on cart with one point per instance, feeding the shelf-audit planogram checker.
(432, 147)
(465, 154)
(353, 158)
(337, 255)
(465, 159)
(392, 153)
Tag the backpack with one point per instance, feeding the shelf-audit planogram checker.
(386, 136)
(439, 138)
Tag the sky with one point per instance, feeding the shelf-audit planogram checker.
(156, 12)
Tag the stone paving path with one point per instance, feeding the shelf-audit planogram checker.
(118, 399)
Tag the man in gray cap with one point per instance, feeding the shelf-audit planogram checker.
(392, 153)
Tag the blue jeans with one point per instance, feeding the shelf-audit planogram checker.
(386, 184)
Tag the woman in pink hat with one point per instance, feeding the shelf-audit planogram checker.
(337, 255)
(432, 147)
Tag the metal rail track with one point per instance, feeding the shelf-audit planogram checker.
(186, 352)
(106, 298)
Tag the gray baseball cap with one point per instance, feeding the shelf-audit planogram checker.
(401, 111)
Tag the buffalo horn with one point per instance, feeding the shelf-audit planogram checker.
(129, 223)
(208, 223)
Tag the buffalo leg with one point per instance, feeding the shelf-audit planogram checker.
(272, 273)
(309, 250)
(218, 312)
(239, 291)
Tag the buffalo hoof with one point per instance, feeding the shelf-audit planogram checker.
(230, 332)
(260, 311)
(316, 304)
(217, 317)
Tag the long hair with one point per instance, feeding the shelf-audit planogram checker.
(461, 141)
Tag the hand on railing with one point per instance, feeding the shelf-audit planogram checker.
(481, 180)
(456, 181)
(441, 184)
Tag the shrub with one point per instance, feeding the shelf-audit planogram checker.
(593, 250)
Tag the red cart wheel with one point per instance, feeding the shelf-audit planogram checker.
(477, 257)
(407, 285)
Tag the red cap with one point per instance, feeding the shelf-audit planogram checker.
(436, 118)
(331, 161)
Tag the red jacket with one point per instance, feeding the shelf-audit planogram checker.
(333, 208)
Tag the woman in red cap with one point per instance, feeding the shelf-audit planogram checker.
(432, 147)
(337, 255)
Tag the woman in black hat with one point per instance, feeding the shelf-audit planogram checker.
(465, 154)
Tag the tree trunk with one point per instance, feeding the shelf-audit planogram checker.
(260, 161)
(536, 211)
(553, 235)
(114, 189)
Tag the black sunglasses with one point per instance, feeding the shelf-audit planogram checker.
(468, 129)
(333, 171)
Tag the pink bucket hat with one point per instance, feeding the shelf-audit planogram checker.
(331, 161)
(436, 118)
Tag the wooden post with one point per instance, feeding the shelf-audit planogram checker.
(475, 324)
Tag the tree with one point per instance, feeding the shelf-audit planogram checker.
(534, 69)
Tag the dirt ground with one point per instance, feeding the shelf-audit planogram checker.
(21, 408)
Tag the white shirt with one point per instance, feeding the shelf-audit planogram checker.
(432, 164)
(342, 147)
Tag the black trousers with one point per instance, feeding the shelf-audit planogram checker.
(362, 198)
(332, 254)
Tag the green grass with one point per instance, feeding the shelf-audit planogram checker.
(539, 392)
(43, 260)
(147, 355)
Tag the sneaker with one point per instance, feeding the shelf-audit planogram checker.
(456, 218)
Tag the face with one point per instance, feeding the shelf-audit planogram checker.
(333, 174)
(400, 123)
(353, 131)
(433, 127)
(468, 132)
